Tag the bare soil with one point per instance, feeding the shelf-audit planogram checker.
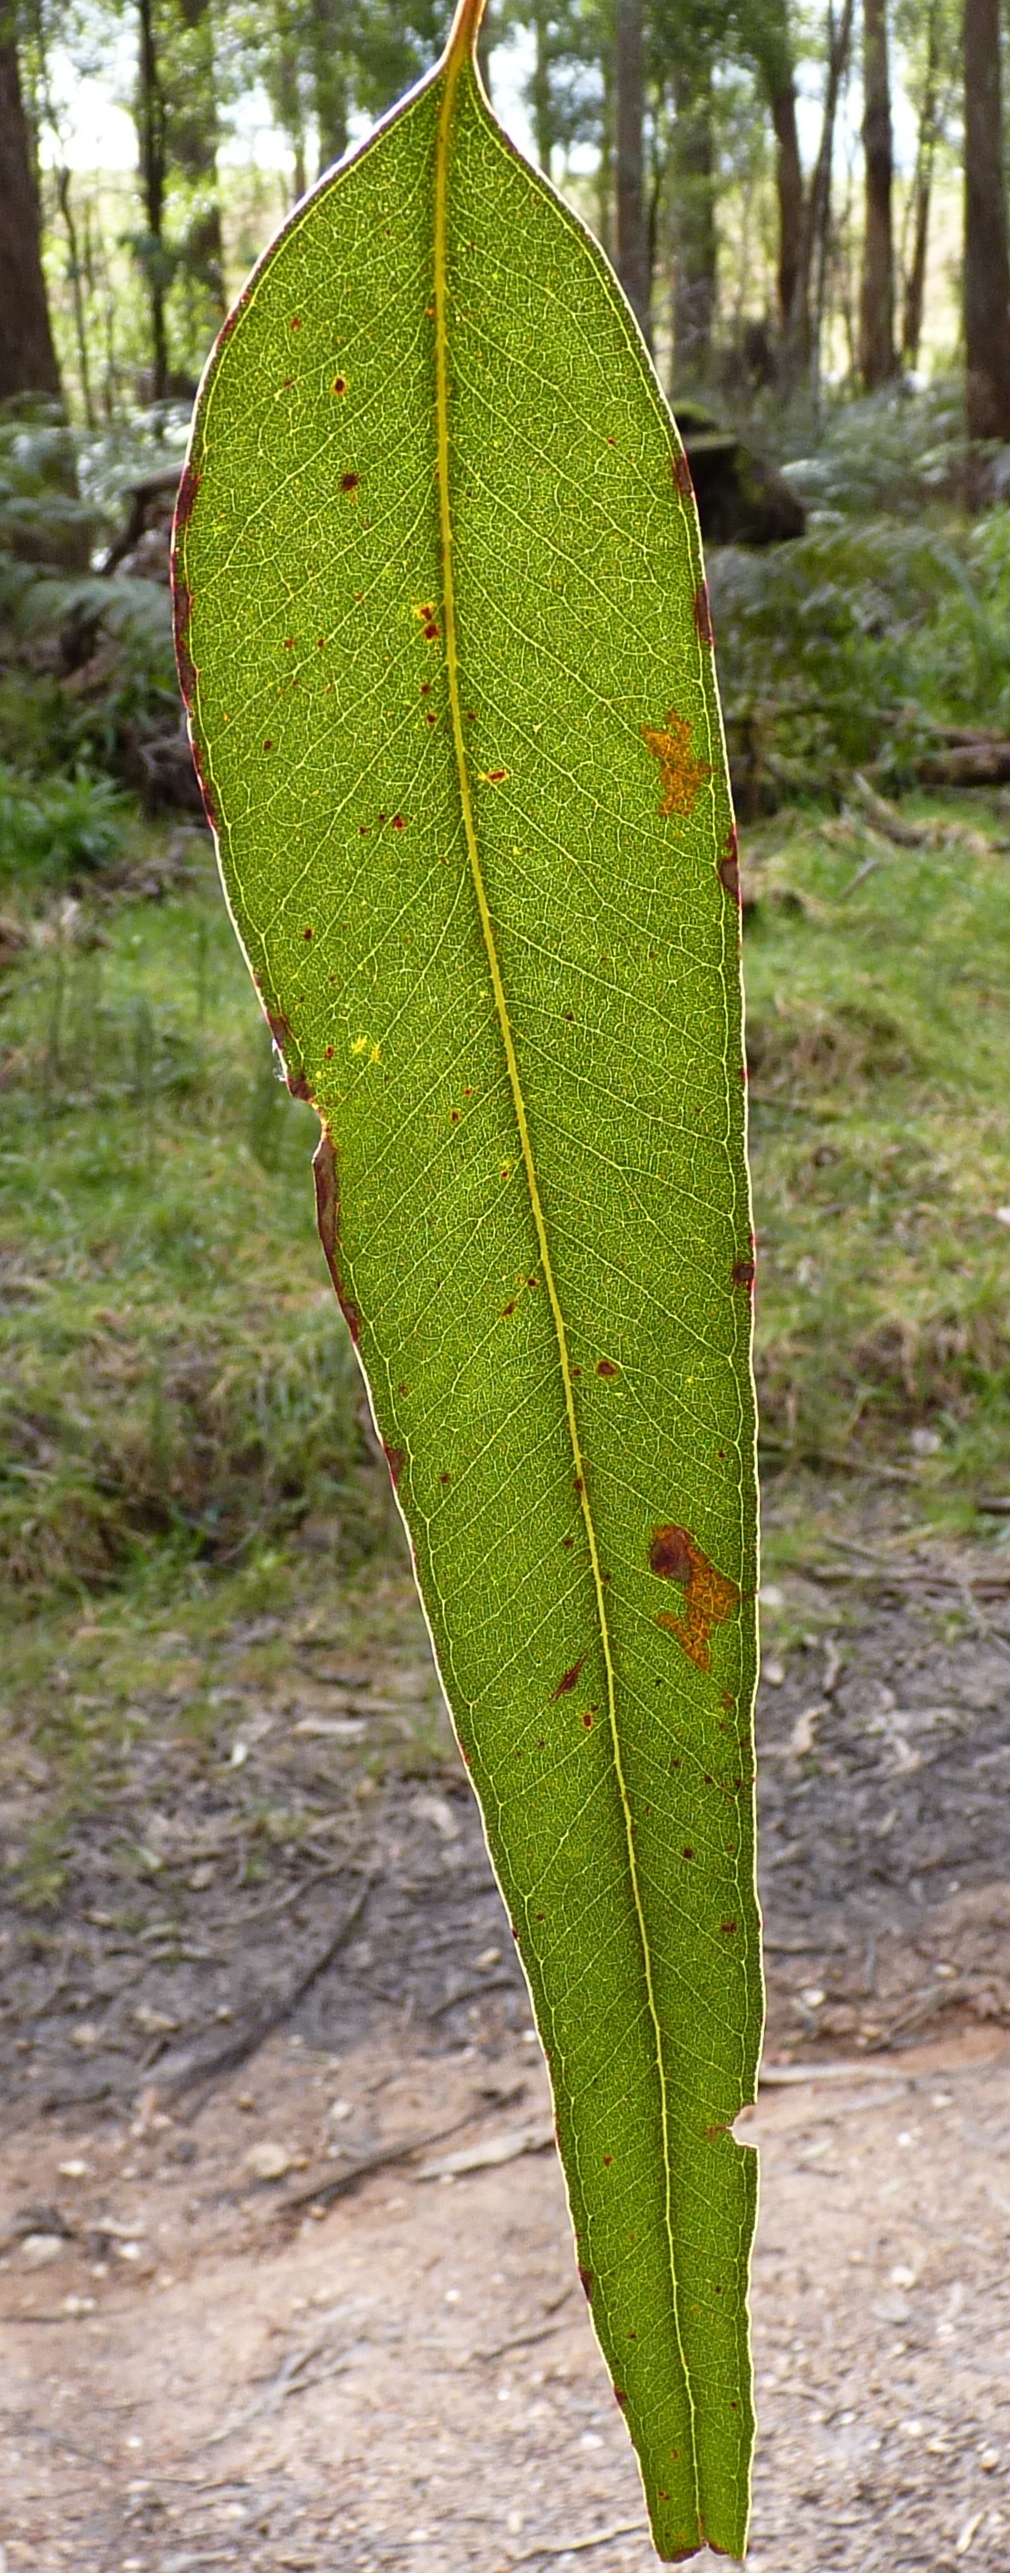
(252, 2309)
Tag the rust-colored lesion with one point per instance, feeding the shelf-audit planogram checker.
(681, 774)
(324, 1172)
(570, 1679)
(728, 867)
(709, 1595)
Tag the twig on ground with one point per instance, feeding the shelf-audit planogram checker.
(195, 2071)
(581, 2545)
(324, 2192)
(534, 2138)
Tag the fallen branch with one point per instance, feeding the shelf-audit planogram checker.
(191, 2071)
(581, 2545)
(906, 835)
(495, 2149)
(323, 2193)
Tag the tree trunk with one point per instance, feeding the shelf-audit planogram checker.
(540, 89)
(695, 255)
(808, 302)
(151, 138)
(789, 192)
(631, 244)
(877, 358)
(327, 45)
(487, 38)
(75, 273)
(191, 128)
(922, 187)
(27, 356)
(986, 259)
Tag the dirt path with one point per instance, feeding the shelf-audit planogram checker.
(410, 2378)
(242, 2322)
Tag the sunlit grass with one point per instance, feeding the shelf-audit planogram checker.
(879, 1014)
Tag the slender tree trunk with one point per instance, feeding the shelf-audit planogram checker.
(922, 188)
(27, 356)
(328, 50)
(789, 192)
(487, 38)
(605, 173)
(284, 82)
(695, 275)
(808, 304)
(191, 122)
(632, 245)
(986, 259)
(75, 273)
(540, 88)
(877, 357)
(151, 136)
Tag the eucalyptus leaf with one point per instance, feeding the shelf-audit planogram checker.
(445, 642)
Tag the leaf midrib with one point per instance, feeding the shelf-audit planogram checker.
(460, 58)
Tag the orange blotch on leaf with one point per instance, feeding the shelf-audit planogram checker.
(709, 1595)
(682, 775)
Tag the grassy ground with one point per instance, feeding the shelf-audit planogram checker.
(181, 1444)
(878, 979)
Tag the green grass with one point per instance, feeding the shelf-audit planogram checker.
(181, 1449)
(176, 1378)
(879, 1039)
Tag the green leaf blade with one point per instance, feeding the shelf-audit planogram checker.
(510, 982)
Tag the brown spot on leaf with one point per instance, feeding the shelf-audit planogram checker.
(395, 1460)
(431, 632)
(682, 477)
(569, 1679)
(182, 610)
(340, 384)
(296, 322)
(670, 1555)
(682, 775)
(228, 324)
(324, 1172)
(205, 788)
(620, 2396)
(709, 1595)
(349, 482)
(728, 1928)
(605, 1367)
(728, 868)
(743, 1273)
(586, 2282)
(703, 613)
(188, 488)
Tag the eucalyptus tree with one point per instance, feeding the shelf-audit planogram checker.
(28, 361)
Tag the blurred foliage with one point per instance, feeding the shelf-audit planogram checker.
(87, 670)
(862, 642)
(51, 832)
(175, 1372)
(878, 982)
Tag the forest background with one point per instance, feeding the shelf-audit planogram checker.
(808, 207)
